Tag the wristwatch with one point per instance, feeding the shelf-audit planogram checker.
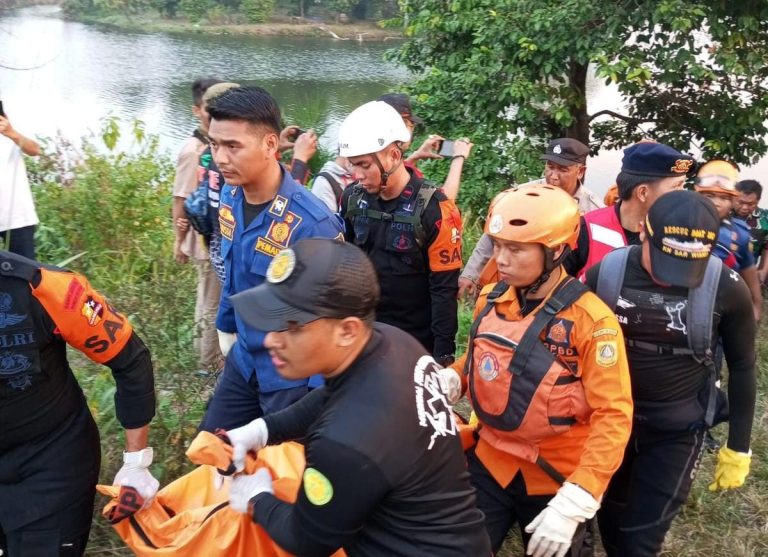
(141, 458)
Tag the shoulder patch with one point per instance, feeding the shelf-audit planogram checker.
(607, 353)
(317, 487)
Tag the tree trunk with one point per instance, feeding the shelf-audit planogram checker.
(577, 76)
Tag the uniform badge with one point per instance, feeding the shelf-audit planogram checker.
(227, 221)
(402, 242)
(93, 311)
(278, 206)
(557, 150)
(7, 318)
(557, 332)
(317, 487)
(280, 232)
(282, 266)
(488, 366)
(682, 166)
(607, 353)
(12, 363)
(455, 235)
(496, 224)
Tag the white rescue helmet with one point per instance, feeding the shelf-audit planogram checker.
(370, 128)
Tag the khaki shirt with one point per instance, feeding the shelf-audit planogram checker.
(183, 186)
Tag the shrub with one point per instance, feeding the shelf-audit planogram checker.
(257, 11)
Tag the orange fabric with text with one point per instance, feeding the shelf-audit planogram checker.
(190, 517)
(445, 250)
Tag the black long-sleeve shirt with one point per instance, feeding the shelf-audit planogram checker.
(651, 313)
(385, 473)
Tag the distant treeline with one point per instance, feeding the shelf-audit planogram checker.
(236, 11)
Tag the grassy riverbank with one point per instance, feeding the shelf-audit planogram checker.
(113, 216)
(363, 31)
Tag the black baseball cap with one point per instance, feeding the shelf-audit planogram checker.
(649, 158)
(402, 103)
(566, 151)
(314, 278)
(681, 228)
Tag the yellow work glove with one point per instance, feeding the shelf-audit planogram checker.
(732, 469)
(473, 421)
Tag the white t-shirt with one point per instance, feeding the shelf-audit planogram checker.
(17, 209)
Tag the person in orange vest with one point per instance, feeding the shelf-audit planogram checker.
(648, 171)
(547, 376)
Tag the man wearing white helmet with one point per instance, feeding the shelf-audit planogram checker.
(410, 230)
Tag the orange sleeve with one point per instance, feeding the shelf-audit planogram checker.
(83, 317)
(445, 250)
(605, 376)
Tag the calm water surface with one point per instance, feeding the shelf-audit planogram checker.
(74, 75)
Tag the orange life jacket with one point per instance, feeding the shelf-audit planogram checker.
(521, 392)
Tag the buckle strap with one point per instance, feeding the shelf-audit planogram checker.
(665, 349)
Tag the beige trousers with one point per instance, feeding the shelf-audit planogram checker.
(206, 307)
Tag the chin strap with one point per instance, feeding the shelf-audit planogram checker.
(550, 264)
(385, 174)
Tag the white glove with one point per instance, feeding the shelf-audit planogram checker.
(245, 487)
(135, 473)
(250, 437)
(226, 341)
(450, 384)
(554, 527)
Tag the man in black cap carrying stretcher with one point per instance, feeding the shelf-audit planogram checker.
(385, 472)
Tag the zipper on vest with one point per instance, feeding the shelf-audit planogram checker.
(498, 339)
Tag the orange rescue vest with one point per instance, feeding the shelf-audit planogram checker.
(521, 392)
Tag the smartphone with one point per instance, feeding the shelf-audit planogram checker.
(446, 148)
(299, 131)
(2, 112)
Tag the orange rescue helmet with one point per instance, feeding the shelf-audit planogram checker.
(540, 214)
(717, 176)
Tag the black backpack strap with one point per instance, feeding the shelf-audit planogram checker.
(566, 294)
(17, 266)
(493, 295)
(550, 470)
(610, 277)
(701, 306)
(335, 186)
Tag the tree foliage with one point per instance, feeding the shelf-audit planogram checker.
(512, 73)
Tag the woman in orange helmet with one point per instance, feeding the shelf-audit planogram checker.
(548, 380)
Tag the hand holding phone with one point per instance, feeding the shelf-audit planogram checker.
(446, 148)
(2, 112)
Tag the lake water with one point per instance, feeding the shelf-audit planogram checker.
(72, 75)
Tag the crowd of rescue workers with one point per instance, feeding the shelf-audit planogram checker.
(327, 311)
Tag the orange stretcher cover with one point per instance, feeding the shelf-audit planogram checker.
(191, 518)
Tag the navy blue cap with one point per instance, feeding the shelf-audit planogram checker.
(681, 227)
(566, 151)
(655, 159)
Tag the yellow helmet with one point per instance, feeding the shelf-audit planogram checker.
(540, 214)
(717, 176)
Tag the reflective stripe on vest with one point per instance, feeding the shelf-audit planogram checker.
(605, 234)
